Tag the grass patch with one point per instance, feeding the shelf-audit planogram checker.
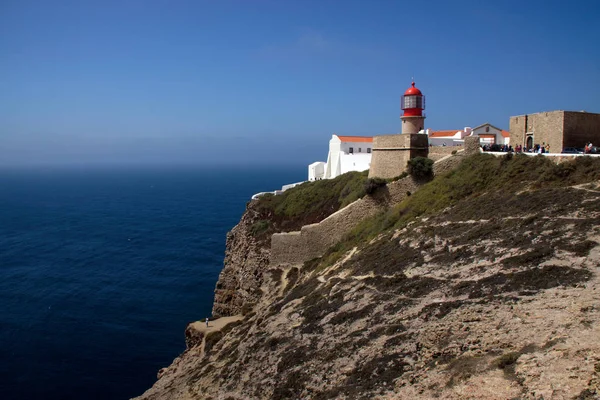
(308, 203)
(318, 197)
(260, 227)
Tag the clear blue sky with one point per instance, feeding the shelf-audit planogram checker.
(152, 81)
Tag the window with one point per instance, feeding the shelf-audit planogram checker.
(368, 149)
(412, 101)
(487, 128)
(360, 149)
(351, 150)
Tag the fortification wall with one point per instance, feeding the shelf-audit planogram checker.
(392, 152)
(313, 240)
(558, 128)
(547, 127)
(581, 128)
(439, 152)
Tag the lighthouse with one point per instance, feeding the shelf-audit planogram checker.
(392, 152)
(412, 105)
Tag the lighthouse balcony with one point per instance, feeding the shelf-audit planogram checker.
(416, 112)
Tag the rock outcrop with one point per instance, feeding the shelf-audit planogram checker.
(246, 258)
(494, 297)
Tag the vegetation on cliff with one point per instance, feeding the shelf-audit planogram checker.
(307, 203)
(484, 283)
(312, 202)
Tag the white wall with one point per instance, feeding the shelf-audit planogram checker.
(340, 161)
(332, 168)
(492, 131)
(355, 162)
(447, 141)
(316, 170)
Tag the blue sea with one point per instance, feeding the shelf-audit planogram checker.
(102, 268)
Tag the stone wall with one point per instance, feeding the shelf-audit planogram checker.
(547, 127)
(439, 152)
(558, 128)
(472, 145)
(581, 128)
(313, 240)
(392, 152)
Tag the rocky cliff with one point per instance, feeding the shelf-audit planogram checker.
(246, 258)
(483, 284)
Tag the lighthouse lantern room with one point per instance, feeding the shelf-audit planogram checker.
(412, 104)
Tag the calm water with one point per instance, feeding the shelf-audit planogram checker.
(101, 270)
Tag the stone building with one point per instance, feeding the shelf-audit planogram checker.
(559, 129)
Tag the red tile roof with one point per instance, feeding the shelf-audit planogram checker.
(443, 133)
(355, 139)
(505, 133)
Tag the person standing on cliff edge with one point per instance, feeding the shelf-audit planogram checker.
(207, 322)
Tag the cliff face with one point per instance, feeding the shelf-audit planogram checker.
(496, 296)
(246, 258)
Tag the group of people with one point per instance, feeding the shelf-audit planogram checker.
(588, 149)
(538, 148)
(498, 147)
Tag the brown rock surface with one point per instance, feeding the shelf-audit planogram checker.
(245, 261)
(497, 297)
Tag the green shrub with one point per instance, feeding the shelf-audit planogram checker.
(420, 168)
(372, 184)
(259, 227)
(397, 178)
(507, 360)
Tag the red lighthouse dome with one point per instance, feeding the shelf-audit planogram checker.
(412, 91)
(413, 102)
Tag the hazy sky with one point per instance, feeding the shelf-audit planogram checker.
(262, 81)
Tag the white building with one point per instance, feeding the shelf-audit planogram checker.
(448, 137)
(346, 153)
(316, 170)
(489, 134)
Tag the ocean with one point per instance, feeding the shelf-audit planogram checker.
(101, 269)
